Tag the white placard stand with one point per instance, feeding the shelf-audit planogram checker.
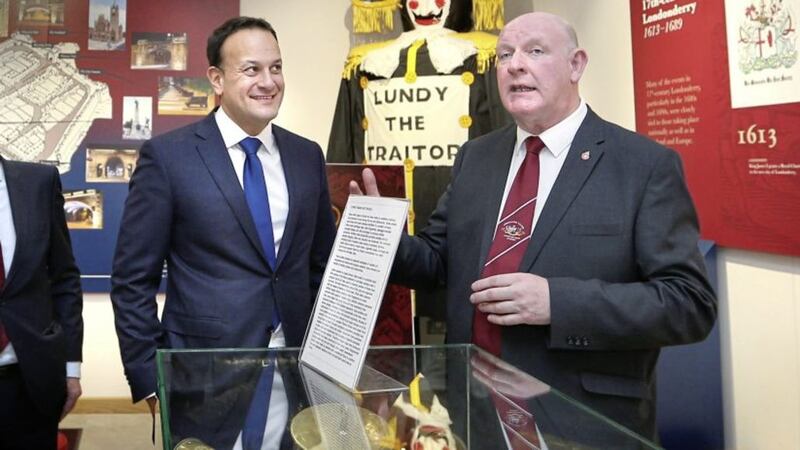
(349, 297)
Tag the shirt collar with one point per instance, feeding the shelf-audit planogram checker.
(232, 134)
(558, 138)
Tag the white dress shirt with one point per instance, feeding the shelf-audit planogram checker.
(8, 240)
(270, 159)
(557, 140)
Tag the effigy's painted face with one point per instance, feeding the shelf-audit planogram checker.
(428, 14)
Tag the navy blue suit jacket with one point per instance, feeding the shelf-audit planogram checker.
(617, 243)
(41, 301)
(186, 207)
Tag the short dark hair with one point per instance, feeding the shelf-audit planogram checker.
(218, 37)
(459, 19)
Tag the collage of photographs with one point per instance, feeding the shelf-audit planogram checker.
(107, 31)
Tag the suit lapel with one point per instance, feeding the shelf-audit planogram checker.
(568, 184)
(497, 162)
(21, 214)
(211, 149)
(291, 172)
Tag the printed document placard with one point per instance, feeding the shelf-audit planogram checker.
(349, 296)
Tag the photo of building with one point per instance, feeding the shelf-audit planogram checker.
(159, 51)
(107, 25)
(104, 165)
(41, 12)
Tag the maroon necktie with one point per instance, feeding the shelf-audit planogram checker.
(3, 337)
(517, 422)
(511, 238)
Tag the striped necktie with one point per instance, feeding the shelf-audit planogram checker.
(511, 238)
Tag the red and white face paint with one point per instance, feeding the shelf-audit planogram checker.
(428, 14)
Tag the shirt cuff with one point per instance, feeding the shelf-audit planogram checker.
(73, 369)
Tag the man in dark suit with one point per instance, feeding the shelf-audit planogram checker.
(611, 271)
(238, 208)
(41, 328)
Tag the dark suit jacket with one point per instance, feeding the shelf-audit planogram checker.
(41, 301)
(186, 206)
(617, 242)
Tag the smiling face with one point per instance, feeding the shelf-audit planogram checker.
(249, 79)
(538, 69)
(428, 14)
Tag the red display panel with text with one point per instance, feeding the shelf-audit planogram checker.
(720, 83)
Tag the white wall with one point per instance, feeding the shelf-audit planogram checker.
(760, 321)
(760, 293)
(101, 372)
(314, 37)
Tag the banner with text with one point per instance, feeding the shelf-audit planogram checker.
(727, 101)
(414, 121)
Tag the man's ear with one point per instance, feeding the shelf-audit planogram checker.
(577, 62)
(215, 77)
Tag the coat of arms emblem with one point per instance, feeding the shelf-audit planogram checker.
(767, 37)
(513, 230)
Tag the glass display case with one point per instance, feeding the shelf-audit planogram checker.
(454, 396)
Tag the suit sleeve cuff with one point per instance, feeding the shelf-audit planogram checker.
(73, 369)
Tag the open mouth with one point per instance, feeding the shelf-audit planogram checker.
(262, 97)
(430, 19)
(522, 89)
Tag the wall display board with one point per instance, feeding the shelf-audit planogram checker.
(85, 82)
(719, 81)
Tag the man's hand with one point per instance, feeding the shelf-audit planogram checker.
(73, 392)
(370, 184)
(513, 299)
(505, 379)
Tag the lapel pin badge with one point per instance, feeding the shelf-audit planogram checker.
(586, 155)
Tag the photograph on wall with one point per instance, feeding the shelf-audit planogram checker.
(107, 24)
(184, 96)
(4, 18)
(762, 52)
(159, 51)
(41, 12)
(106, 165)
(137, 118)
(84, 209)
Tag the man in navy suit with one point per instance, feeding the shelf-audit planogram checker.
(41, 329)
(239, 210)
(607, 268)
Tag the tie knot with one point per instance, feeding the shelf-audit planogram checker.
(250, 145)
(533, 144)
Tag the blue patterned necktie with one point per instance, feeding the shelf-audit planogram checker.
(255, 191)
(256, 421)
